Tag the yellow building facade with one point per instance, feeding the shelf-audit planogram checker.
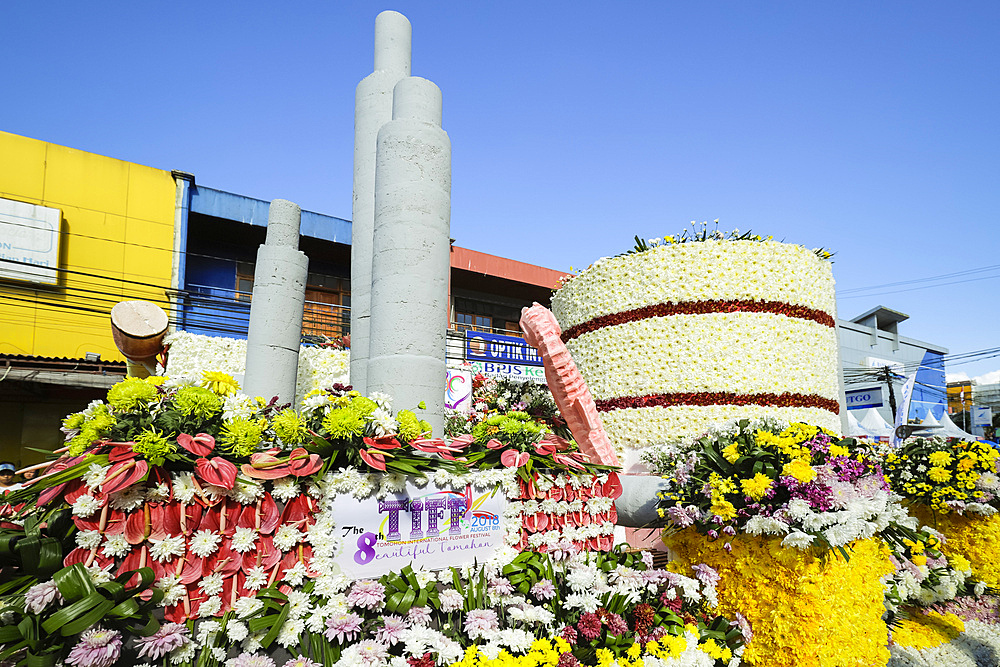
(115, 242)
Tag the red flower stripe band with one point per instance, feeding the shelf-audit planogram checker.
(699, 308)
(703, 398)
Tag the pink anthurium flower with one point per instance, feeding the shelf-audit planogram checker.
(301, 463)
(265, 465)
(494, 444)
(124, 474)
(373, 458)
(217, 471)
(463, 441)
(385, 442)
(514, 459)
(199, 445)
(568, 461)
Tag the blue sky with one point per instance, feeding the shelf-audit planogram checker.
(866, 128)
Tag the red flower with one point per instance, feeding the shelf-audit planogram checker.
(216, 471)
(302, 463)
(386, 442)
(373, 458)
(568, 461)
(265, 465)
(124, 474)
(199, 445)
(514, 459)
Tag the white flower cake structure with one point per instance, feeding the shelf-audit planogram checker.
(679, 337)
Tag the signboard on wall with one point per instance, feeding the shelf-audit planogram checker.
(981, 416)
(512, 371)
(499, 349)
(29, 235)
(458, 390)
(431, 527)
(864, 398)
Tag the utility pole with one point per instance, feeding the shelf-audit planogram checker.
(887, 378)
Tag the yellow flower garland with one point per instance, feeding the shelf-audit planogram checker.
(804, 611)
(971, 536)
(927, 630)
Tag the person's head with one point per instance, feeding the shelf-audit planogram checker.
(29, 475)
(7, 470)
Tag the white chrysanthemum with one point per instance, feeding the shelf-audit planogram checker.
(95, 475)
(204, 543)
(383, 400)
(286, 537)
(290, 632)
(247, 606)
(237, 631)
(246, 492)
(797, 540)
(173, 590)
(244, 539)
(127, 499)
(237, 406)
(166, 549)
(116, 546)
(184, 487)
(210, 607)
(256, 578)
(88, 539)
(296, 574)
(85, 506)
(285, 488)
(211, 584)
(582, 601)
(383, 422)
(158, 493)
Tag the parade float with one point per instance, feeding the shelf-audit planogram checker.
(306, 523)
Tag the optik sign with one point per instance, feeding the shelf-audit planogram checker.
(500, 349)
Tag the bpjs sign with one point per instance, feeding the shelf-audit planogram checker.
(500, 349)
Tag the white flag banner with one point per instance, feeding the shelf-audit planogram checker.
(903, 410)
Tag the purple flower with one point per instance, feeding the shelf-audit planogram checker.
(616, 624)
(301, 661)
(589, 625)
(343, 628)
(569, 634)
(419, 615)
(544, 590)
(392, 627)
(169, 637)
(41, 596)
(705, 574)
(679, 516)
(499, 586)
(251, 660)
(367, 594)
(451, 600)
(478, 622)
(97, 648)
(647, 558)
(744, 626)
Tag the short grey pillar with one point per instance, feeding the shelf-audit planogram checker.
(279, 293)
(372, 110)
(637, 504)
(411, 257)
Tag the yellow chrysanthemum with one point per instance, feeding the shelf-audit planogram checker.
(756, 486)
(220, 383)
(723, 509)
(940, 475)
(800, 470)
(731, 453)
(939, 459)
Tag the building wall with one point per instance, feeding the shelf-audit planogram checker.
(861, 345)
(116, 243)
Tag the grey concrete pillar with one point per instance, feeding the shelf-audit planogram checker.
(279, 293)
(372, 110)
(411, 252)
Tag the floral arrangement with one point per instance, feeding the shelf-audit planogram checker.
(493, 395)
(702, 235)
(785, 595)
(684, 335)
(944, 640)
(319, 365)
(795, 481)
(945, 475)
(925, 576)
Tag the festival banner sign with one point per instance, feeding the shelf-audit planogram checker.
(430, 526)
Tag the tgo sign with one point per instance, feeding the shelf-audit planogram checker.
(864, 398)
